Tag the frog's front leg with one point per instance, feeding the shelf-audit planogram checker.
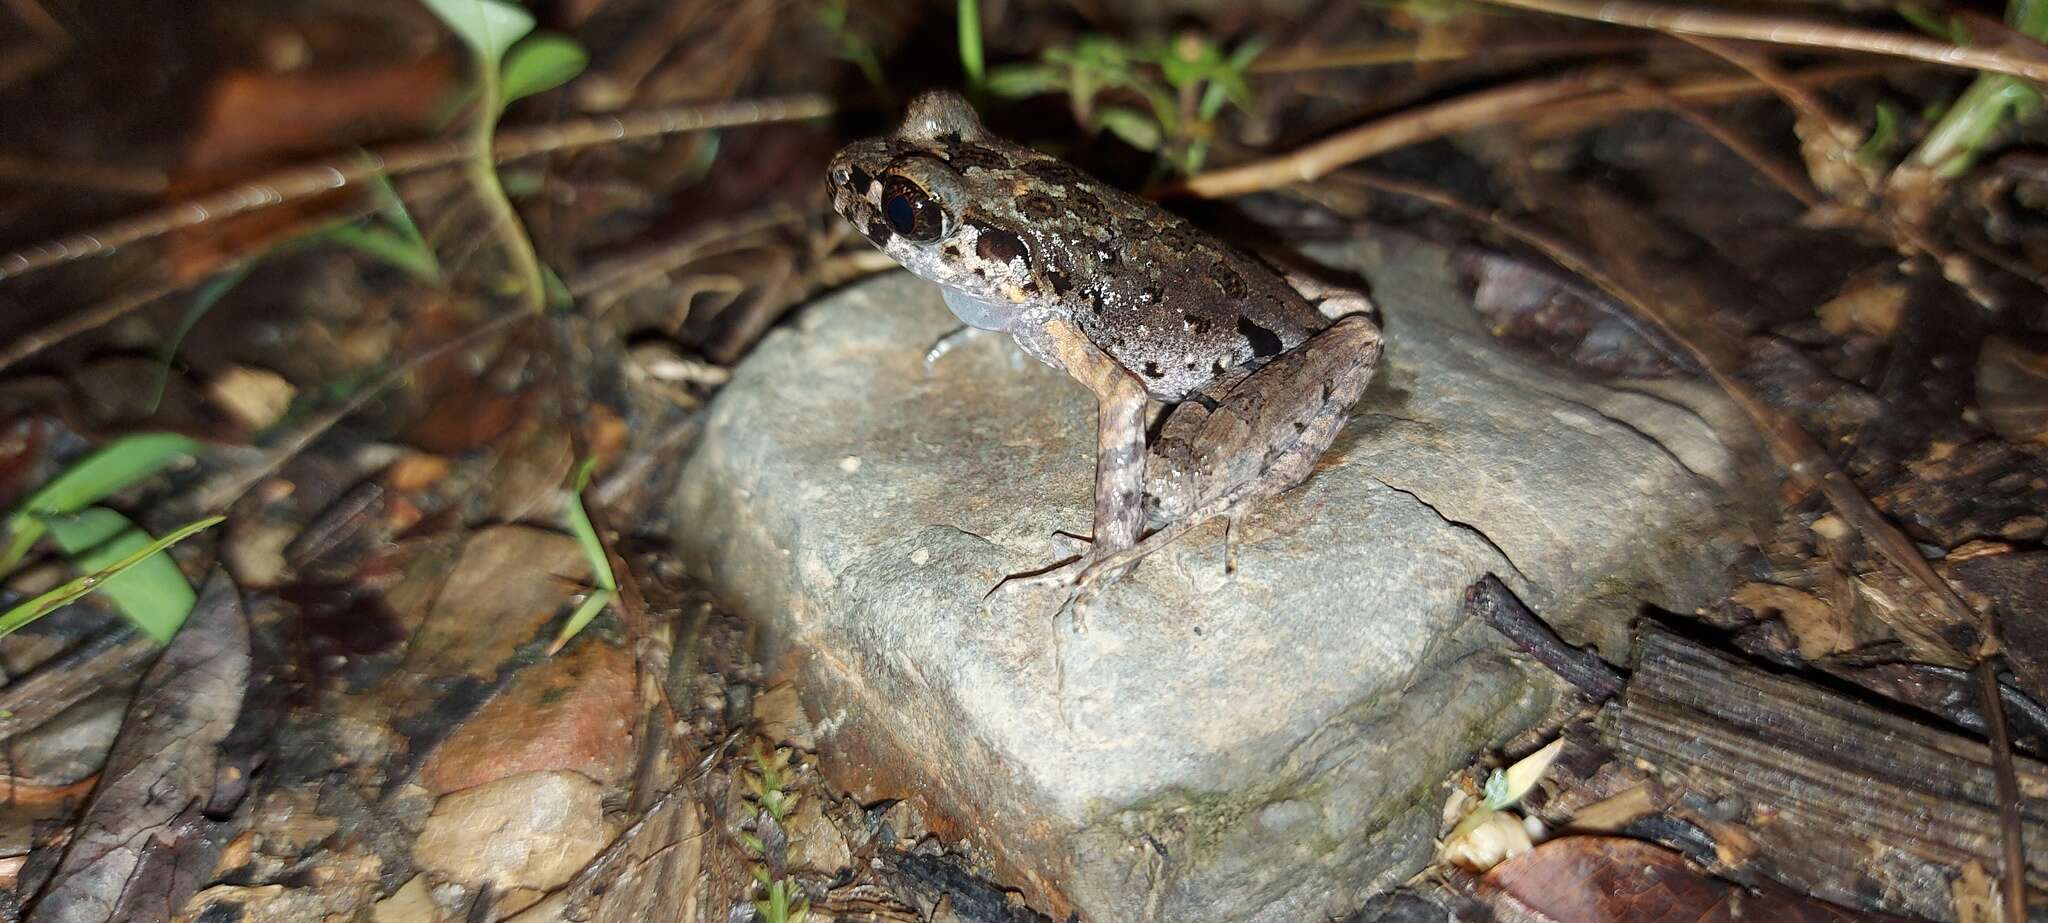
(1119, 450)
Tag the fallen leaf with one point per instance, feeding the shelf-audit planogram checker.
(127, 856)
(1592, 879)
(1820, 628)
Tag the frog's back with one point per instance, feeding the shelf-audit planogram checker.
(1029, 234)
(1166, 300)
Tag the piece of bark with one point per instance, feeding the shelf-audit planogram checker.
(1849, 802)
(136, 853)
(1591, 879)
(1497, 606)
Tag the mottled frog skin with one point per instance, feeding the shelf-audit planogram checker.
(1133, 302)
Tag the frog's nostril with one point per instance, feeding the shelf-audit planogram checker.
(841, 175)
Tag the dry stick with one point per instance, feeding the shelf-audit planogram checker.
(1512, 103)
(1384, 54)
(1713, 89)
(1780, 30)
(1791, 181)
(2008, 788)
(1394, 131)
(313, 179)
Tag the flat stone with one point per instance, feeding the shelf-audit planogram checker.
(529, 831)
(1264, 745)
(72, 745)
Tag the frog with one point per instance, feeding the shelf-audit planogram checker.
(1257, 367)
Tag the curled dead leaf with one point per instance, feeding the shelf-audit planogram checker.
(2012, 389)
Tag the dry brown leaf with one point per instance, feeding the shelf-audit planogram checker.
(1820, 628)
(1869, 303)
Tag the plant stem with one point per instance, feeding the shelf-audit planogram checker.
(483, 171)
(1952, 144)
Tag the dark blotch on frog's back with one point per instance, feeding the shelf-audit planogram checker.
(1265, 343)
(1037, 207)
(965, 157)
(998, 245)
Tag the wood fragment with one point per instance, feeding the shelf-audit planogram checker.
(1848, 801)
(1497, 606)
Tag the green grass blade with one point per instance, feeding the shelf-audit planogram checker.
(586, 534)
(152, 593)
(592, 605)
(90, 480)
(971, 59)
(75, 589)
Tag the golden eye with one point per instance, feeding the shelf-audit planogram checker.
(910, 211)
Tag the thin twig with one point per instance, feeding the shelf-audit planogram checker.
(1384, 54)
(306, 180)
(1528, 101)
(2000, 738)
(1791, 181)
(1807, 33)
(1504, 612)
(1397, 130)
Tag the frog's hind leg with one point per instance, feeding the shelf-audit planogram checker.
(1261, 436)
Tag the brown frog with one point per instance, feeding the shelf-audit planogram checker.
(1134, 303)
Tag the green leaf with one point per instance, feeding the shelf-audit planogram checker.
(152, 593)
(105, 576)
(592, 605)
(971, 60)
(203, 301)
(586, 534)
(1136, 128)
(90, 480)
(488, 27)
(1016, 81)
(541, 63)
(389, 246)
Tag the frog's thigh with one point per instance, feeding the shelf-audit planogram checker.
(1262, 433)
(1119, 434)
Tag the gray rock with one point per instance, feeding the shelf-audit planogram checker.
(1260, 746)
(72, 745)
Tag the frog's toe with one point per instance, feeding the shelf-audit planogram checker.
(1060, 573)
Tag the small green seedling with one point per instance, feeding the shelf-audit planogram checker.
(850, 46)
(766, 778)
(1184, 83)
(509, 65)
(593, 551)
(1990, 101)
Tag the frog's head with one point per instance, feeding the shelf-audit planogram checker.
(935, 196)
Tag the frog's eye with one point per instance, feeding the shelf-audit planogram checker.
(910, 212)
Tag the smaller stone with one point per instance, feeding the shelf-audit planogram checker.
(815, 843)
(255, 398)
(411, 902)
(72, 745)
(528, 831)
(780, 715)
(560, 714)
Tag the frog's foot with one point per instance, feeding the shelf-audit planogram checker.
(1073, 558)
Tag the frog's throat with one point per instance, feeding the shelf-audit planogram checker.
(980, 313)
